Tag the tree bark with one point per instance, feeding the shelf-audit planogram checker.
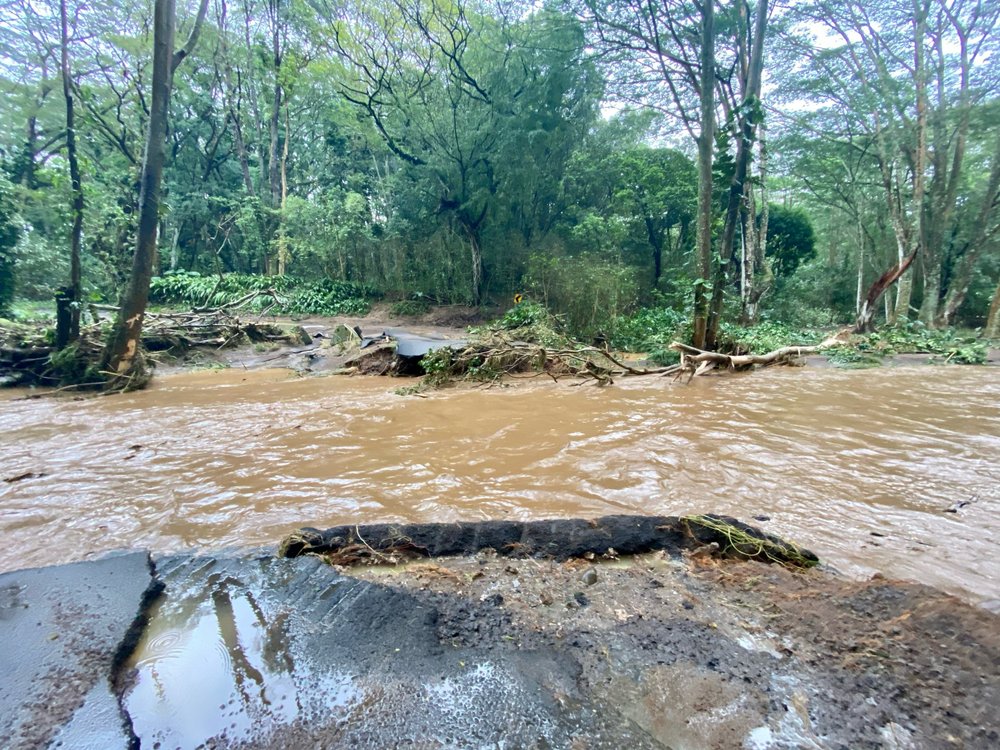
(283, 254)
(867, 311)
(476, 256)
(233, 96)
(904, 292)
(72, 322)
(706, 139)
(122, 361)
(274, 122)
(981, 236)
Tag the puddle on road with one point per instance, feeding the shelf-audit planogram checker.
(287, 653)
(217, 666)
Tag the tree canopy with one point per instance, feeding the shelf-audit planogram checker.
(599, 156)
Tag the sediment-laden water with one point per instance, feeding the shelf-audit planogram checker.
(858, 465)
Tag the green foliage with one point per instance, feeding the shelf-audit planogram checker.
(763, 338)
(410, 308)
(948, 345)
(587, 290)
(851, 358)
(651, 330)
(524, 315)
(328, 297)
(74, 365)
(790, 239)
(530, 322)
(324, 297)
(816, 295)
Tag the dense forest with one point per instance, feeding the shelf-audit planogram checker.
(697, 163)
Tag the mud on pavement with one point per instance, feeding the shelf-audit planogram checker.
(676, 647)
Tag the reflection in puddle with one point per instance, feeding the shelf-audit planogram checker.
(218, 666)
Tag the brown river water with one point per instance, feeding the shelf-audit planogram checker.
(857, 465)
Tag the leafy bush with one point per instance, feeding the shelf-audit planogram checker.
(648, 329)
(589, 291)
(325, 297)
(651, 330)
(328, 297)
(523, 315)
(763, 338)
(528, 321)
(948, 345)
(410, 308)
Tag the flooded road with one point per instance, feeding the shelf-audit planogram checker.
(857, 465)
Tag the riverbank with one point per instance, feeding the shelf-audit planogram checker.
(675, 648)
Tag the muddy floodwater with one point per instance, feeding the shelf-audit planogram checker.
(858, 465)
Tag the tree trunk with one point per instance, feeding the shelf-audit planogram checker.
(904, 292)
(656, 243)
(958, 287)
(273, 157)
(476, 256)
(705, 143)
(72, 323)
(744, 148)
(992, 329)
(283, 255)
(756, 276)
(122, 360)
(233, 99)
(175, 248)
(932, 288)
(867, 309)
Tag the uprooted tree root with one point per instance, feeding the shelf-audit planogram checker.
(500, 354)
(738, 539)
(541, 347)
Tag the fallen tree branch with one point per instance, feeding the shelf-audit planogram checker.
(698, 361)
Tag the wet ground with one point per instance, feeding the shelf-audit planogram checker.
(674, 649)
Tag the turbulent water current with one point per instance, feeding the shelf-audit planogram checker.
(861, 466)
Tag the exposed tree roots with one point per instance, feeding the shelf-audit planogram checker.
(502, 354)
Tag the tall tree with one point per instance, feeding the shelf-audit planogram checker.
(69, 301)
(122, 356)
(902, 79)
(460, 98)
(741, 101)
(675, 56)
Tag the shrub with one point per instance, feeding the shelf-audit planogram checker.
(324, 297)
(410, 308)
(763, 338)
(588, 291)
